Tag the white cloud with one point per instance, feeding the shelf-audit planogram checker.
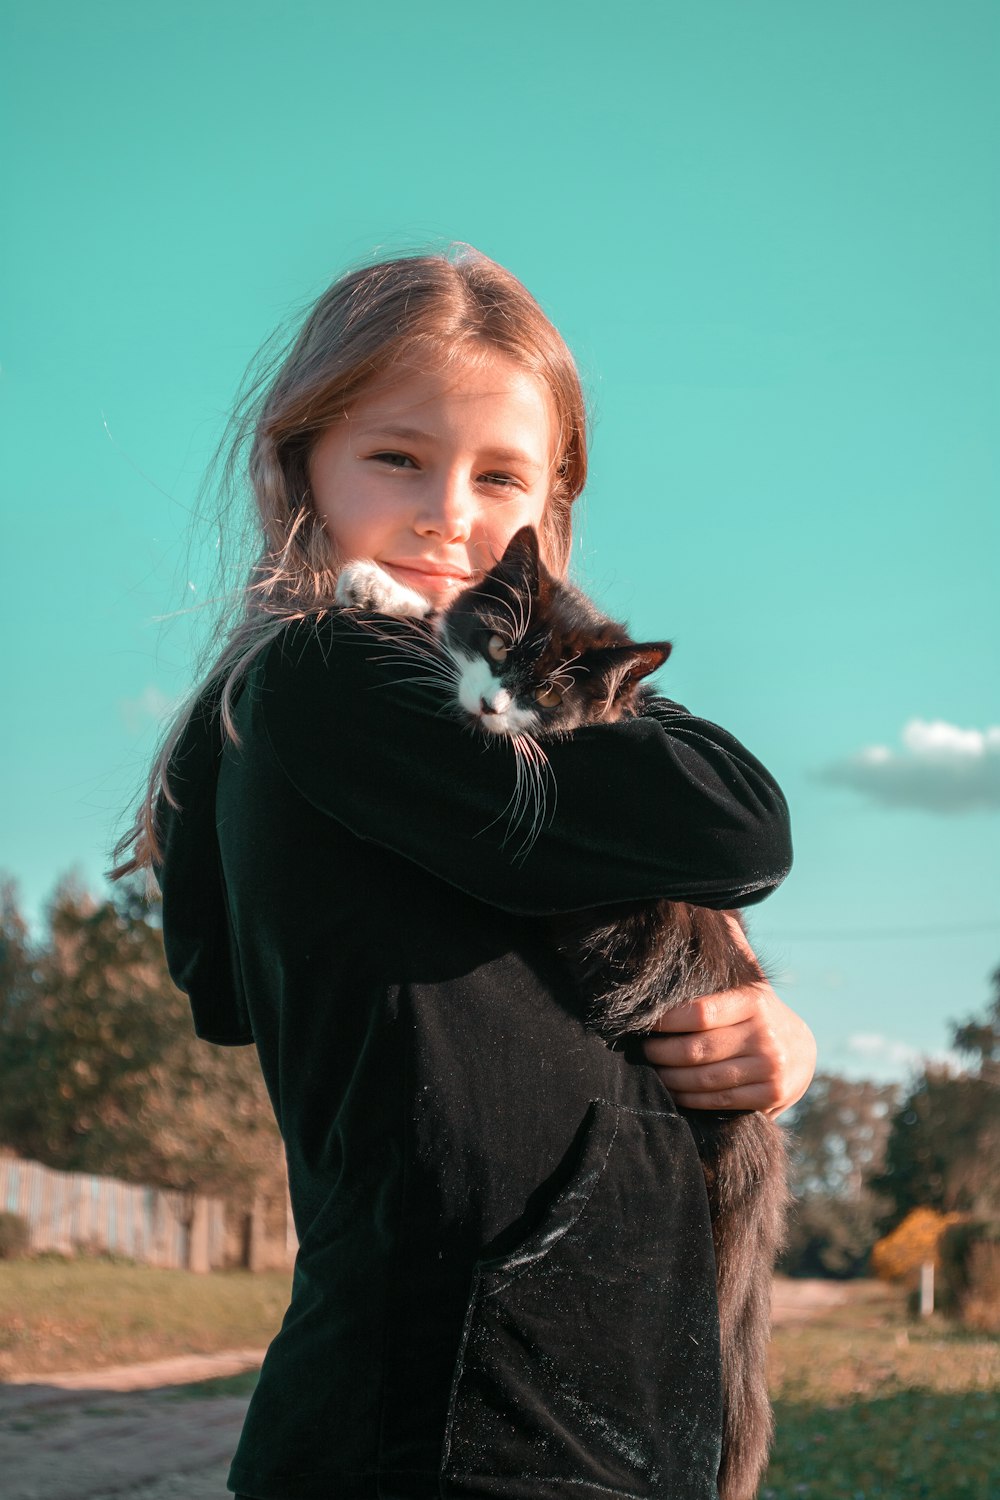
(887, 1055)
(941, 769)
(946, 742)
(870, 1044)
(151, 707)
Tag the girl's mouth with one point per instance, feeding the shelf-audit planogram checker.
(425, 581)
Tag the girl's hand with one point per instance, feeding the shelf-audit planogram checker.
(741, 1049)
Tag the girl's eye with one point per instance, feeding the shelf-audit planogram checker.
(393, 460)
(548, 696)
(500, 481)
(497, 647)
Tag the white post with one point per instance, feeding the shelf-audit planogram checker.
(198, 1237)
(926, 1288)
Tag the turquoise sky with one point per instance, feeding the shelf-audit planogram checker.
(771, 233)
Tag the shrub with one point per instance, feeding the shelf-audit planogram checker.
(917, 1239)
(829, 1236)
(15, 1236)
(970, 1273)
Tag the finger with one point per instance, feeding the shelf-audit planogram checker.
(735, 1073)
(758, 1096)
(724, 1009)
(693, 1049)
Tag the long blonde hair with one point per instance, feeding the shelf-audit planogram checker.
(426, 310)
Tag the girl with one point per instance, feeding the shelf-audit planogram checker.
(505, 1277)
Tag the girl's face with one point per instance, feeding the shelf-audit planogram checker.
(432, 476)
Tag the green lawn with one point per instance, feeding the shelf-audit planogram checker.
(85, 1314)
(870, 1405)
(916, 1443)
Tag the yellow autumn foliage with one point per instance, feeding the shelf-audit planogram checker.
(911, 1243)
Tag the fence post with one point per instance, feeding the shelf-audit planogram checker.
(258, 1236)
(198, 1258)
(926, 1288)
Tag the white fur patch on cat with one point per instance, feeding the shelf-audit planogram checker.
(480, 693)
(364, 585)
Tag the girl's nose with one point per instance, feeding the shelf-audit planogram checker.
(447, 510)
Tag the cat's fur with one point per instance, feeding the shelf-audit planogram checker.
(528, 656)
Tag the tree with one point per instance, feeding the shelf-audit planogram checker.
(943, 1145)
(101, 1070)
(15, 959)
(981, 1039)
(840, 1129)
(944, 1139)
(839, 1133)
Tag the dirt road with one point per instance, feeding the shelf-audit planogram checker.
(139, 1433)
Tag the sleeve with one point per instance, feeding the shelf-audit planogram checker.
(662, 805)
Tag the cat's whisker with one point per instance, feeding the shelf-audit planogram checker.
(413, 648)
(445, 669)
(519, 621)
(397, 655)
(399, 681)
(534, 779)
(516, 622)
(415, 652)
(513, 806)
(522, 613)
(568, 673)
(426, 667)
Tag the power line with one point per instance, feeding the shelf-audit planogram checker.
(881, 934)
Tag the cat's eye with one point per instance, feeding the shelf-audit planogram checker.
(548, 696)
(497, 647)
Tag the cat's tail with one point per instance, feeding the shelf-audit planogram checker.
(745, 1162)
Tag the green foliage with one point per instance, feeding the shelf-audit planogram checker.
(830, 1236)
(913, 1444)
(969, 1283)
(243, 1384)
(839, 1133)
(88, 1313)
(981, 1039)
(944, 1139)
(838, 1137)
(14, 1236)
(100, 1070)
(871, 1403)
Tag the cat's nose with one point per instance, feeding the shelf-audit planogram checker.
(497, 703)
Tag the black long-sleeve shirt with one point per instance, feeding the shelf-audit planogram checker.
(505, 1278)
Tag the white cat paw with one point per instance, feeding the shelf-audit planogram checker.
(364, 585)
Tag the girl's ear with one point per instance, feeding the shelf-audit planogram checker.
(519, 564)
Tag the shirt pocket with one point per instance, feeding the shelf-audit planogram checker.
(589, 1359)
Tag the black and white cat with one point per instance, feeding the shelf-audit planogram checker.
(527, 656)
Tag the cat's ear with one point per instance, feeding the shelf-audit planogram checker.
(629, 664)
(519, 564)
(647, 658)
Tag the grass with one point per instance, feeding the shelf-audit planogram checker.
(869, 1404)
(86, 1314)
(222, 1385)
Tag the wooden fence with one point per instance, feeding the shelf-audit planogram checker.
(70, 1211)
